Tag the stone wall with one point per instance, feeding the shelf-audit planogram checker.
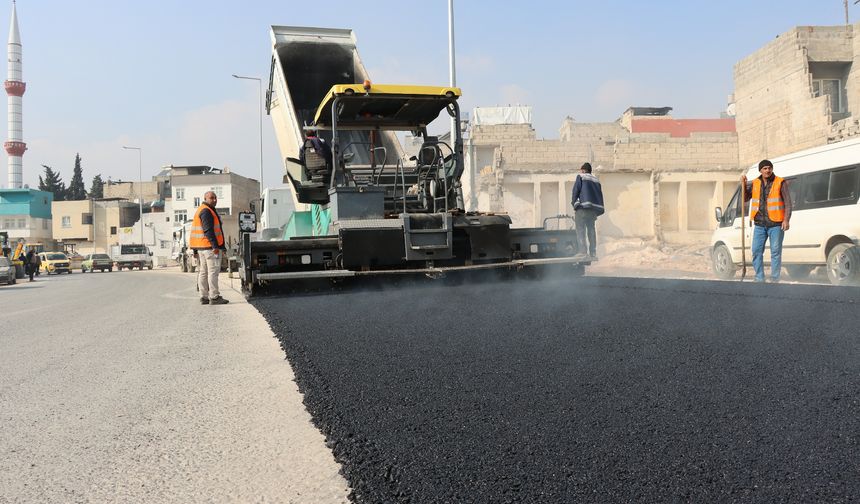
(776, 111)
(510, 170)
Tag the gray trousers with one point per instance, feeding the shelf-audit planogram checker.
(207, 274)
(585, 219)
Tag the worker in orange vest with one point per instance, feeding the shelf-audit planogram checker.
(770, 211)
(207, 240)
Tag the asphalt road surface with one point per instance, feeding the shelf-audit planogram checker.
(583, 390)
(121, 387)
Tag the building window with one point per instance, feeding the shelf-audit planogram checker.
(180, 194)
(44, 224)
(831, 88)
(22, 223)
(87, 219)
(274, 201)
(197, 201)
(113, 230)
(180, 216)
(164, 244)
(218, 191)
(66, 221)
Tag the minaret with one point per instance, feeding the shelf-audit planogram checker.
(15, 88)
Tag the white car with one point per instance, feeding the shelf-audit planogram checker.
(824, 186)
(7, 271)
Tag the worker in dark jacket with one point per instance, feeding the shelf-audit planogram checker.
(207, 239)
(587, 201)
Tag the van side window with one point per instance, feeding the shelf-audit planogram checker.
(840, 186)
(843, 183)
(793, 190)
(815, 187)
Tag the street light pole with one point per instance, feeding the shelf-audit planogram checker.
(140, 186)
(260, 105)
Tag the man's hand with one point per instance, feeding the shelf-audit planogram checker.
(785, 225)
(216, 251)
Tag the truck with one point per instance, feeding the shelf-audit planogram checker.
(181, 252)
(131, 256)
(373, 211)
(184, 255)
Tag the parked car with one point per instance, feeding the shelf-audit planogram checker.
(92, 262)
(7, 271)
(75, 260)
(55, 262)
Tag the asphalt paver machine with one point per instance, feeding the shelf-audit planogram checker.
(372, 211)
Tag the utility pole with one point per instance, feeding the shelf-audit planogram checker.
(452, 64)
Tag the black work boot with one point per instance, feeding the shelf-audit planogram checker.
(218, 300)
(204, 300)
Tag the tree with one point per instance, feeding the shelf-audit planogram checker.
(52, 184)
(77, 191)
(97, 187)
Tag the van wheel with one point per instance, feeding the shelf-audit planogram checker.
(721, 263)
(843, 264)
(799, 271)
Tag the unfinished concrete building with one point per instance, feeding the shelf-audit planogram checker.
(800, 90)
(661, 176)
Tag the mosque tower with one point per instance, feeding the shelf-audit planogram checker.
(15, 88)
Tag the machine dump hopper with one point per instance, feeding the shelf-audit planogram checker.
(306, 63)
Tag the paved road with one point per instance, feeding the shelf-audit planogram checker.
(120, 387)
(588, 390)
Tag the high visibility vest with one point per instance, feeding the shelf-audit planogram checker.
(775, 205)
(198, 240)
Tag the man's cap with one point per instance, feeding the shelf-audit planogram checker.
(763, 163)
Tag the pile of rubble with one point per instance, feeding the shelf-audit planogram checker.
(652, 256)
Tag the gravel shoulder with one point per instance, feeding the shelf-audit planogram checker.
(122, 387)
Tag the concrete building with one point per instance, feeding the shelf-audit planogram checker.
(661, 176)
(800, 90)
(26, 214)
(92, 226)
(158, 230)
(150, 190)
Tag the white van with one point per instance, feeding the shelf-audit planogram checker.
(824, 184)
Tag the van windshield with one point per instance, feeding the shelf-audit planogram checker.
(56, 257)
(132, 249)
(101, 256)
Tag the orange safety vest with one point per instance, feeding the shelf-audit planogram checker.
(775, 205)
(198, 240)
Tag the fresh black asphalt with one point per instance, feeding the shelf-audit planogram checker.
(583, 390)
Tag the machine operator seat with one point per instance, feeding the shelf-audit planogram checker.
(317, 161)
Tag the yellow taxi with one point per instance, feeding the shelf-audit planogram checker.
(55, 262)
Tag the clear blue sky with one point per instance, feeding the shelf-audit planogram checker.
(156, 74)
